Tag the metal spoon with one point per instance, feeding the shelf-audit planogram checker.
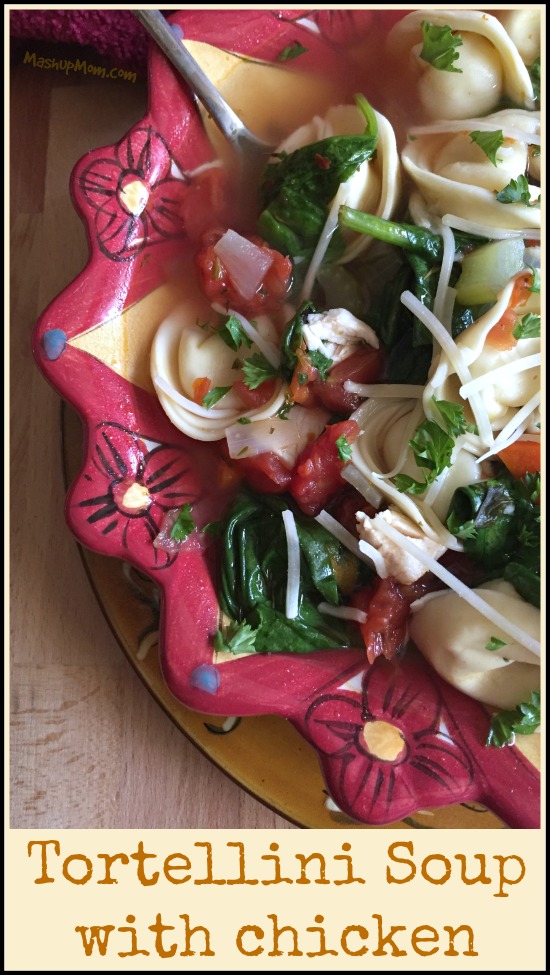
(252, 151)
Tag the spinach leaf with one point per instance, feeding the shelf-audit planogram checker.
(498, 521)
(409, 237)
(252, 589)
(293, 337)
(297, 190)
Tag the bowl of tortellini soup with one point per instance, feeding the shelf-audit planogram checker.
(312, 401)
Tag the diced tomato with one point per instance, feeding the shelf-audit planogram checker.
(265, 473)
(253, 398)
(387, 604)
(218, 286)
(363, 366)
(521, 457)
(316, 478)
(387, 611)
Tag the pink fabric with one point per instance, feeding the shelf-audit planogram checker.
(115, 34)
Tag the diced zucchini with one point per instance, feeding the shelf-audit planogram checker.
(487, 269)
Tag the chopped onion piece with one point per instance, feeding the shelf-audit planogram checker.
(272, 434)
(293, 576)
(441, 301)
(246, 263)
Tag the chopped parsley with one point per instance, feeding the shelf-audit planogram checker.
(535, 287)
(291, 52)
(534, 74)
(528, 327)
(490, 142)
(214, 396)
(233, 334)
(495, 644)
(517, 191)
(344, 449)
(257, 370)
(439, 47)
(239, 638)
(432, 446)
(244, 420)
(523, 720)
(321, 362)
(183, 525)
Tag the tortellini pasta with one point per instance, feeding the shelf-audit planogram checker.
(454, 637)
(501, 394)
(184, 353)
(382, 451)
(456, 177)
(375, 187)
(488, 67)
(523, 29)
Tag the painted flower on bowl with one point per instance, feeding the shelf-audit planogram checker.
(135, 194)
(393, 747)
(132, 483)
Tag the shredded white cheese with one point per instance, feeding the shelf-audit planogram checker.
(514, 428)
(488, 378)
(483, 230)
(331, 224)
(293, 577)
(451, 350)
(343, 612)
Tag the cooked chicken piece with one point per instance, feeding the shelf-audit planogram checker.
(337, 333)
(398, 564)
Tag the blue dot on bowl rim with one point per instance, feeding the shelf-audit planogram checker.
(54, 343)
(206, 678)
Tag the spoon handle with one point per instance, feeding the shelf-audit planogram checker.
(225, 118)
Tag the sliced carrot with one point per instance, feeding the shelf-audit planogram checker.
(304, 374)
(501, 335)
(201, 387)
(521, 457)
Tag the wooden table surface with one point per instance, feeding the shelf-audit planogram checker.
(73, 762)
